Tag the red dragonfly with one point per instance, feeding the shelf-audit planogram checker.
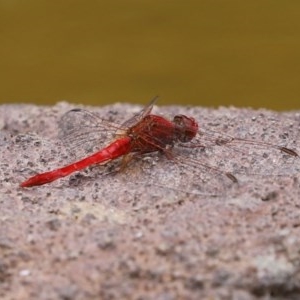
(143, 133)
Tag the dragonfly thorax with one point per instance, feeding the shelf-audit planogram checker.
(153, 133)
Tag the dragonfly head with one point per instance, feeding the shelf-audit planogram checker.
(186, 128)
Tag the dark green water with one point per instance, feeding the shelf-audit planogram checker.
(243, 53)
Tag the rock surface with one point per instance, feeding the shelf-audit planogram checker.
(134, 235)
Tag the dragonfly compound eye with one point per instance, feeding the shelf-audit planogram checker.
(186, 128)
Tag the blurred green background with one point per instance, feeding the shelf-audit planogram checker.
(205, 52)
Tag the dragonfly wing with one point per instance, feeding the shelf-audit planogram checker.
(84, 131)
(217, 171)
(241, 155)
(179, 174)
(141, 114)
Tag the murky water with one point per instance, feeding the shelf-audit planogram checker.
(193, 52)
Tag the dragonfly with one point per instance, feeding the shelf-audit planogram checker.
(142, 134)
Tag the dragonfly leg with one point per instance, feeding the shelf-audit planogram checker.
(126, 159)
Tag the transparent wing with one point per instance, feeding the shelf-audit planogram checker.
(84, 131)
(140, 115)
(216, 172)
(244, 155)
